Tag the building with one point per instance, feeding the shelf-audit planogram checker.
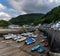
(56, 26)
(13, 26)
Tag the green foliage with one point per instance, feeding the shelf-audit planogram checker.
(52, 16)
(27, 19)
(4, 23)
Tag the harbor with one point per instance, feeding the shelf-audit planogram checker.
(12, 48)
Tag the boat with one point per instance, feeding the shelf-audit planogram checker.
(30, 41)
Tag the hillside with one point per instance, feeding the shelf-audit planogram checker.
(52, 16)
(4, 23)
(27, 19)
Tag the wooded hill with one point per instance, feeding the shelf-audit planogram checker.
(51, 16)
(27, 19)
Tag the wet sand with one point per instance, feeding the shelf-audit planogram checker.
(12, 48)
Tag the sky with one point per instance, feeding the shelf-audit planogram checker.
(14, 8)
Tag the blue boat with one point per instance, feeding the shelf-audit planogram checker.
(41, 49)
(30, 40)
(35, 47)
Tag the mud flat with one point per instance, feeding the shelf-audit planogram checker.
(12, 48)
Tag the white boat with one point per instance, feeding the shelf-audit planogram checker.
(21, 39)
(7, 36)
(34, 35)
(24, 34)
(28, 34)
(14, 37)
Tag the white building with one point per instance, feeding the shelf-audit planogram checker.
(13, 26)
(56, 26)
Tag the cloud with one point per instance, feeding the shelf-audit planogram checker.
(34, 6)
(20, 7)
(7, 13)
(2, 7)
(4, 16)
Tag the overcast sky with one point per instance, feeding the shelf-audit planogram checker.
(13, 8)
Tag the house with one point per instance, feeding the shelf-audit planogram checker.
(56, 26)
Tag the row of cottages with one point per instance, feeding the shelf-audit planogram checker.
(13, 26)
(56, 26)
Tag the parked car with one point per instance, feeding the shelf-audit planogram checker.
(41, 49)
(30, 40)
(35, 47)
